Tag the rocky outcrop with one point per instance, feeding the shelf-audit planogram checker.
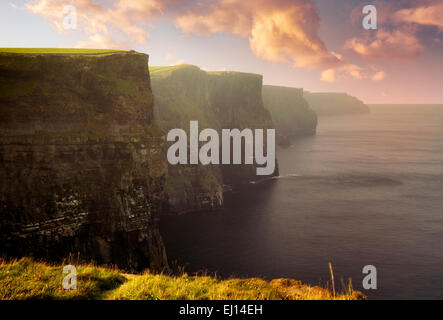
(290, 111)
(331, 104)
(218, 100)
(81, 163)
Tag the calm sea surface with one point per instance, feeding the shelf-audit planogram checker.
(367, 190)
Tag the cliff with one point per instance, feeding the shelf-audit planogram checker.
(218, 100)
(290, 111)
(81, 162)
(330, 104)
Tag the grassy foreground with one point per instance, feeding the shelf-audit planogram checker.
(26, 279)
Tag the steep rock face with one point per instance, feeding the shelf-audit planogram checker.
(81, 162)
(290, 111)
(218, 100)
(330, 104)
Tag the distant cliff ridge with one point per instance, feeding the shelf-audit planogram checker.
(81, 163)
(290, 111)
(218, 100)
(330, 104)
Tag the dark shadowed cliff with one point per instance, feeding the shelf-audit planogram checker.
(81, 163)
(290, 111)
(331, 104)
(218, 100)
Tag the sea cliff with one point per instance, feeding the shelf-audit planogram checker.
(218, 100)
(81, 162)
(290, 111)
(335, 104)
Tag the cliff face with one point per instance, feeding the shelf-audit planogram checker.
(290, 111)
(81, 163)
(330, 104)
(218, 100)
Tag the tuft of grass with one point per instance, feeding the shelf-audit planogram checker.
(26, 279)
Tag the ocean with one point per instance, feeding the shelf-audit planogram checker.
(366, 190)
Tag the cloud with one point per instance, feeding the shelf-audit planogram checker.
(398, 44)
(400, 36)
(352, 71)
(126, 16)
(431, 15)
(379, 76)
(278, 31)
(328, 75)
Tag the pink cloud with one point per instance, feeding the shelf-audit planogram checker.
(124, 15)
(278, 31)
(352, 71)
(329, 75)
(398, 44)
(379, 76)
(400, 23)
(431, 15)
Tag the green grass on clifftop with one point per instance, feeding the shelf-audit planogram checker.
(26, 279)
(57, 51)
(166, 71)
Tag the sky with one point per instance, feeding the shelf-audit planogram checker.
(318, 45)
